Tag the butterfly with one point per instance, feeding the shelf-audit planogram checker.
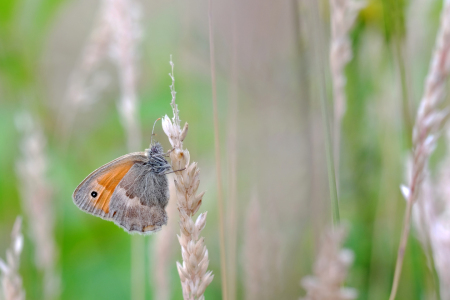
(132, 191)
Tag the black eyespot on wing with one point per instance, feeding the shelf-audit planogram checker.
(94, 194)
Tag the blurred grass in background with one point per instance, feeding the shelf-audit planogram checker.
(280, 142)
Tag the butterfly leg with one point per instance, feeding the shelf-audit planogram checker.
(168, 152)
(175, 171)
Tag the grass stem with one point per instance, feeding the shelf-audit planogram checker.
(326, 123)
(223, 264)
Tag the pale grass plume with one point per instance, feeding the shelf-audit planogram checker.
(94, 53)
(330, 270)
(431, 218)
(115, 37)
(85, 82)
(429, 121)
(193, 270)
(440, 243)
(37, 201)
(9, 269)
(343, 14)
(123, 17)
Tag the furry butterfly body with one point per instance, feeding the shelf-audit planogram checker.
(132, 191)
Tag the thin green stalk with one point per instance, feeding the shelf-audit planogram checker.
(329, 154)
(326, 123)
(406, 103)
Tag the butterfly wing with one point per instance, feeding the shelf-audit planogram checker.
(139, 200)
(94, 194)
(127, 192)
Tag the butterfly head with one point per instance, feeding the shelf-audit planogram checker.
(156, 158)
(155, 149)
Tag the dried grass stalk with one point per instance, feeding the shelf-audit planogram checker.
(220, 206)
(9, 269)
(37, 202)
(426, 130)
(330, 270)
(193, 272)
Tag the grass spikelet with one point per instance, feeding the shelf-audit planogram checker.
(115, 36)
(37, 201)
(9, 269)
(343, 15)
(79, 93)
(330, 270)
(431, 218)
(426, 131)
(193, 270)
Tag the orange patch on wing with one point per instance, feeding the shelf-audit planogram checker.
(108, 183)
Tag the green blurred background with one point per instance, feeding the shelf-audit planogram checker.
(279, 144)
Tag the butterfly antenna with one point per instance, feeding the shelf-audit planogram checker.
(153, 130)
